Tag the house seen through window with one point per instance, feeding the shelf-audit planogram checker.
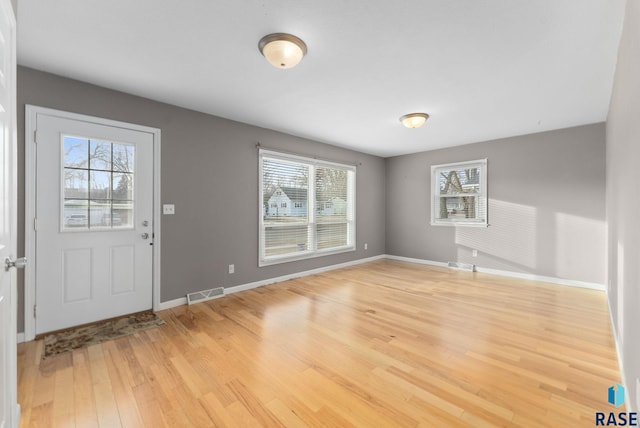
(307, 207)
(459, 194)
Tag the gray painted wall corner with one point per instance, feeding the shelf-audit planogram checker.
(546, 206)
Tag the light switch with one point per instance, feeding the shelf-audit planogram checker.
(168, 209)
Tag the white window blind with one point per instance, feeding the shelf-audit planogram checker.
(459, 194)
(307, 207)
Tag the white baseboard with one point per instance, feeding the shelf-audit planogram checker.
(541, 278)
(521, 275)
(236, 288)
(249, 286)
(242, 287)
(418, 261)
(171, 304)
(20, 337)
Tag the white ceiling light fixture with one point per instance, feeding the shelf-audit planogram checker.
(414, 120)
(282, 50)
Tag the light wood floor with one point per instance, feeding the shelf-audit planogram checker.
(381, 344)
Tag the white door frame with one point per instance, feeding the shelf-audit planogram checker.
(8, 361)
(31, 115)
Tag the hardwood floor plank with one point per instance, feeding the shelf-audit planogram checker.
(423, 395)
(385, 343)
(533, 375)
(217, 412)
(148, 406)
(179, 406)
(63, 410)
(121, 382)
(257, 409)
(84, 399)
(40, 416)
(285, 415)
(106, 407)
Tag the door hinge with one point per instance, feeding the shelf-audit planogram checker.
(35, 224)
(34, 310)
(35, 136)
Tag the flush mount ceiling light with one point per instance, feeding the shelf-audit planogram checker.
(414, 120)
(282, 50)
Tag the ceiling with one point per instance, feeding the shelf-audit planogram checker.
(483, 69)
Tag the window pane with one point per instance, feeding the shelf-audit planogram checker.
(99, 214)
(286, 240)
(100, 185)
(76, 184)
(285, 191)
(122, 214)
(459, 180)
(100, 155)
(461, 207)
(76, 152)
(122, 186)
(76, 214)
(331, 194)
(123, 157)
(332, 235)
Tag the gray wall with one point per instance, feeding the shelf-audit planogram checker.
(546, 206)
(206, 159)
(623, 202)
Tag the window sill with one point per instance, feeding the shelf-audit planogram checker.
(459, 224)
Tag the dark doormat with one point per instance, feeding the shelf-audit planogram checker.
(58, 342)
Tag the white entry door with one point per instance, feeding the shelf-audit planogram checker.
(9, 409)
(94, 220)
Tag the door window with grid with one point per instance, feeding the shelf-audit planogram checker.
(98, 183)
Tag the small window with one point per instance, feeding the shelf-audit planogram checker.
(459, 194)
(283, 205)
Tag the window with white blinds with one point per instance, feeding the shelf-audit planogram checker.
(307, 207)
(459, 194)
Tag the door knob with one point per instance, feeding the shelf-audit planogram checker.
(19, 263)
(145, 236)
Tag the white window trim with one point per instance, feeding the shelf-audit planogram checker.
(311, 219)
(435, 191)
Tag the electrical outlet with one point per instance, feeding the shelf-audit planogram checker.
(474, 253)
(232, 268)
(168, 209)
(366, 246)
